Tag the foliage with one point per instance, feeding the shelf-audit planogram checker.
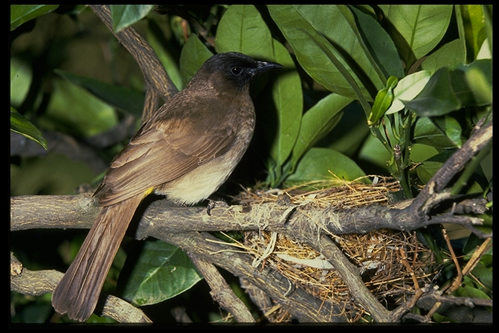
(420, 74)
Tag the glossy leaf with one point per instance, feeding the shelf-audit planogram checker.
(163, 271)
(373, 152)
(299, 22)
(448, 55)
(192, 57)
(328, 50)
(437, 97)
(242, 29)
(427, 169)
(318, 121)
(288, 101)
(450, 127)
(23, 126)
(474, 28)
(408, 88)
(379, 44)
(131, 101)
(20, 14)
(427, 133)
(469, 291)
(416, 29)
(125, 15)
(450, 89)
(322, 164)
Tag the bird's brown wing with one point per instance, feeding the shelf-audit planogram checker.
(164, 150)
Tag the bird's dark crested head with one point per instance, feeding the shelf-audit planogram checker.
(237, 67)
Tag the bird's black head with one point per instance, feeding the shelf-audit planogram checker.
(237, 67)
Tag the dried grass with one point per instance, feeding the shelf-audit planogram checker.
(386, 258)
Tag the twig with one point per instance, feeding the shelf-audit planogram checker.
(350, 275)
(221, 291)
(38, 283)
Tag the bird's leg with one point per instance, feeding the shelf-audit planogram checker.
(214, 201)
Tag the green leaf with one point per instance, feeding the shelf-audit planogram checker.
(125, 15)
(288, 102)
(408, 88)
(471, 292)
(416, 29)
(21, 125)
(165, 52)
(471, 245)
(129, 100)
(448, 55)
(478, 76)
(438, 96)
(323, 164)
(382, 102)
(427, 133)
(54, 174)
(379, 44)
(242, 29)
(304, 25)
(74, 110)
(192, 57)
(318, 121)
(20, 80)
(20, 14)
(163, 271)
(373, 152)
(450, 89)
(450, 127)
(427, 169)
(483, 274)
(474, 28)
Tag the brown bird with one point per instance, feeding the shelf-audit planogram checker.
(185, 151)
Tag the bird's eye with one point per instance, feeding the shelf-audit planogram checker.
(236, 70)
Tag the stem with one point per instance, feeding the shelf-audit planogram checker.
(470, 169)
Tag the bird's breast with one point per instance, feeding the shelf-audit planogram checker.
(201, 182)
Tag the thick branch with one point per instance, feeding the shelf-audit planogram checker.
(160, 217)
(174, 224)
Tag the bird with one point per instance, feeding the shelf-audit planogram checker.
(185, 151)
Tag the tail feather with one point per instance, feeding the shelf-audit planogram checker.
(78, 291)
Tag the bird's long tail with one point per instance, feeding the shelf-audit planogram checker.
(78, 291)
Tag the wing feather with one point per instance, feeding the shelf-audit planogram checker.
(167, 147)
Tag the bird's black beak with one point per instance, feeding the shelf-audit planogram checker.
(264, 66)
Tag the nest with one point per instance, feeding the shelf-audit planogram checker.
(389, 261)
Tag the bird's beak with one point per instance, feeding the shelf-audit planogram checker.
(265, 66)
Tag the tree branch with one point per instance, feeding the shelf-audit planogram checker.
(37, 283)
(221, 291)
(158, 83)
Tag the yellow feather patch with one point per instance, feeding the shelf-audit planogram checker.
(148, 191)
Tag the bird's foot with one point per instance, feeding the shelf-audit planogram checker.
(214, 202)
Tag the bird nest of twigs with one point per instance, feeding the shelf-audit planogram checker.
(389, 261)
